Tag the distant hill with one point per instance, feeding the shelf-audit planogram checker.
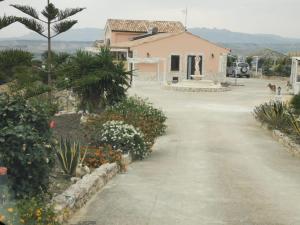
(268, 53)
(81, 35)
(37, 47)
(240, 43)
(226, 36)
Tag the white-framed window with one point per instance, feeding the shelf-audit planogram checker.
(175, 63)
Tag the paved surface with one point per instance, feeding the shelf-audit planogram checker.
(215, 166)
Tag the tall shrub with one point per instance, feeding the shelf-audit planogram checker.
(11, 60)
(96, 79)
(25, 145)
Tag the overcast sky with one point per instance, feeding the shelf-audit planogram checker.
(251, 16)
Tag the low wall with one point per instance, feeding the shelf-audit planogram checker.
(195, 89)
(77, 195)
(286, 141)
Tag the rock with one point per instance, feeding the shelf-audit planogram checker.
(82, 171)
(75, 179)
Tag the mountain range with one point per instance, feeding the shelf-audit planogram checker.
(240, 43)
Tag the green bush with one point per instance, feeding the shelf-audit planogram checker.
(25, 145)
(96, 79)
(295, 104)
(11, 60)
(123, 137)
(141, 114)
(274, 114)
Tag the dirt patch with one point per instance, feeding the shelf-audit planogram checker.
(68, 126)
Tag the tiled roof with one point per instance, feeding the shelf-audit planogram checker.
(144, 26)
(156, 37)
(152, 38)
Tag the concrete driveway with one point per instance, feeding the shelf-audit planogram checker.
(214, 166)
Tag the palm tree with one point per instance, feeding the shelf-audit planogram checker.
(6, 20)
(97, 80)
(54, 23)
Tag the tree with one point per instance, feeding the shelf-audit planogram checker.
(231, 59)
(6, 20)
(11, 61)
(55, 20)
(249, 60)
(96, 79)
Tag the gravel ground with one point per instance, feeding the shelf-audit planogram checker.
(215, 166)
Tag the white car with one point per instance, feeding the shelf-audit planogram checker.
(240, 69)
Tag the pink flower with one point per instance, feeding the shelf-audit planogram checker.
(3, 171)
(52, 124)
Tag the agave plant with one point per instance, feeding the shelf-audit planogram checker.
(295, 123)
(274, 114)
(69, 156)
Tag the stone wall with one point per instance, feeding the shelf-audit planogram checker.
(77, 195)
(286, 141)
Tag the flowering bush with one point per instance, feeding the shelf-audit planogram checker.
(139, 113)
(32, 211)
(35, 211)
(25, 148)
(94, 157)
(124, 137)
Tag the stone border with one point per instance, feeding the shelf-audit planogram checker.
(287, 142)
(196, 89)
(77, 195)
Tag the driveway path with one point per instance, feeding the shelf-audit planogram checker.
(215, 166)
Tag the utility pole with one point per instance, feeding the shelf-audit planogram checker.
(186, 17)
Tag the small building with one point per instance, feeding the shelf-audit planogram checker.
(162, 50)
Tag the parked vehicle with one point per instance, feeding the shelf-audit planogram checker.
(240, 69)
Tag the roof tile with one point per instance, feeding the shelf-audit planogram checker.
(144, 26)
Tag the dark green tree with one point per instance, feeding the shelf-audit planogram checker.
(249, 60)
(53, 23)
(12, 60)
(96, 79)
(231, 59)
(6, 20)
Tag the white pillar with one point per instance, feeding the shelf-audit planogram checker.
(133, 75)
(158, 75)
(165, 71)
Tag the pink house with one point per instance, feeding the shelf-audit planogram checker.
(162, 50)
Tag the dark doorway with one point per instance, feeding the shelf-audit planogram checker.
(190, 66)
(191, 61)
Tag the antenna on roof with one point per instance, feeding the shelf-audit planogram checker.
(185, 12)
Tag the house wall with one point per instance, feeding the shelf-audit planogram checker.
(183, 44)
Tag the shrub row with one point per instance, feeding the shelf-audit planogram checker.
(131, 125)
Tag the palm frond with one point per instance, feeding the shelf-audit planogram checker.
(50, 12)
(63, 26)
(64, 14)
(27, 10)
(32, 24)
(6, 21)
